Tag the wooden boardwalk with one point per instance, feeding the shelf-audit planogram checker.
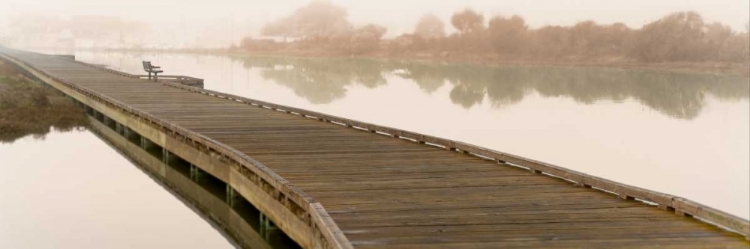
(386, 188)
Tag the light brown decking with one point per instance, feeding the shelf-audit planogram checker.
(394, 193)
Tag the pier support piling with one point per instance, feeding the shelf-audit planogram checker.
(144, 144)
(195, 173)
(266, 227)
(231, 195)
(119, 129)
(165, 156)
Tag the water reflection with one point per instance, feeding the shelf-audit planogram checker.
(208, 196)
(677, 95)
(320, 83)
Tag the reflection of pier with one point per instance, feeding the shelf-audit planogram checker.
(381, 187)
(211, 198)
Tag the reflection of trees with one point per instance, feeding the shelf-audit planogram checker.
(424, 75)
(673, 94)
(316, 86)
(505, 90)
(465, 95)
(319, 80)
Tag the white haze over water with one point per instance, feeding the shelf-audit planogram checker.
(220, 22)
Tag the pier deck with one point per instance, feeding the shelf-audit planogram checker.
(386, 188)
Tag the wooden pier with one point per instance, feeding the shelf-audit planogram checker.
(331, 182)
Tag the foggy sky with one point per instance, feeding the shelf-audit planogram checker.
(237, 18)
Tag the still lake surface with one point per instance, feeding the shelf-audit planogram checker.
(72, 190)
(682, 134)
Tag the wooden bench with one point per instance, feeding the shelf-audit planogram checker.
(151, 69)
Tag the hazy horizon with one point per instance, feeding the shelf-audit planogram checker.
(234, 19)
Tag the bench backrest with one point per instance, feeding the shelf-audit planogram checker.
(147, 65)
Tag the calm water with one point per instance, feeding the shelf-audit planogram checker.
(686, 135)
(71, 190)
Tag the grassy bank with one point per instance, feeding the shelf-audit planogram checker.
(30, 108)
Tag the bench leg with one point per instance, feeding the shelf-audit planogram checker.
(149, 75)
(156, 76)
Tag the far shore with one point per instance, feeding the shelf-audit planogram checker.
(708, 67)
(679, 67)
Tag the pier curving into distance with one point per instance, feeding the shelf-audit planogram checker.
(332, 182)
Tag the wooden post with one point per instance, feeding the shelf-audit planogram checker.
(195, 173)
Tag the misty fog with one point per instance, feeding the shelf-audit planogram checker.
(214, 24)
(265, 124)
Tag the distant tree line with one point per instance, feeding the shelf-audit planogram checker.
(321, 27)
